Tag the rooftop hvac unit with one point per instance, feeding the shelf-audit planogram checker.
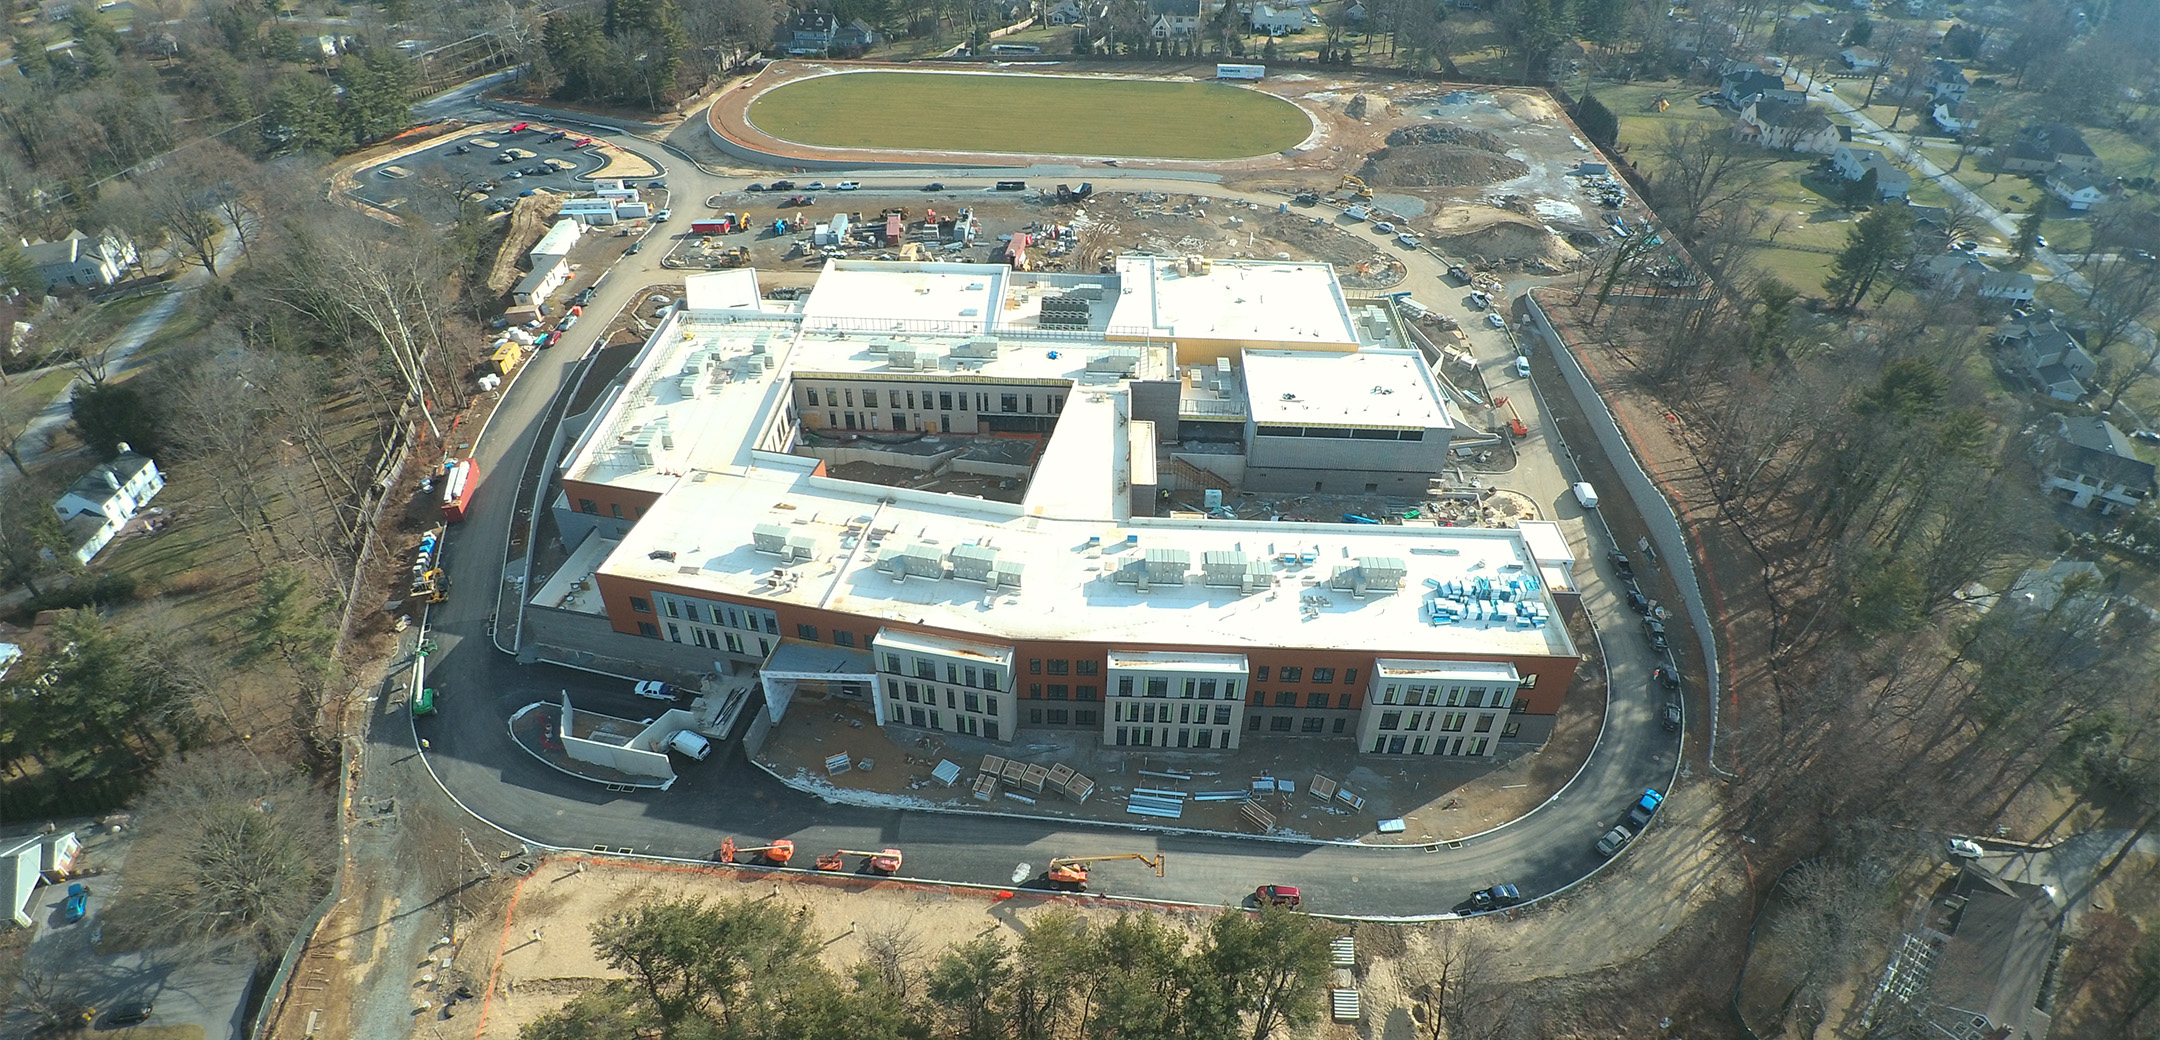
(1223, 567)
(1222, 368)
(1088, 290)
(913, 561)
(879, 346)
(802, 546)
(1212, 497)
(1167, 566)
(973, 562)
(1122, 362)
(1009, 572)
(901, 357)
(1259, 574)
(1384, 572)
(769, 538)
(985, 347)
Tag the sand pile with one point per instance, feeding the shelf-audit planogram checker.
(1511, 241)
(1440, 157)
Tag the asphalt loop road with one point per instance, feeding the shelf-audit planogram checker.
(470, 748)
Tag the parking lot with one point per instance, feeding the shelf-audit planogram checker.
(203, 989)
(427, 184)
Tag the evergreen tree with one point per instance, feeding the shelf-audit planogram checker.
(16, 270)
(303, 117)
(1864, 192)
(378, 94)
(1597, 121)
(1882, 236)
(2028, 231)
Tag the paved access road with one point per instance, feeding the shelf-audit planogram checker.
(470, 750)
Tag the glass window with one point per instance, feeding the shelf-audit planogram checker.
(892, 663)
(1060, 667)
(1203, 739)
(1290, 674)
(1511, 729)
(952, 672)
(1391, 720)
(586, 505)
(1279, 724)
(1124, 686)
(1057, 716)
(1190, 686)
(990, 679)
(925, 669)
(1084, 717)
(1035, 666)
(1158, 687)
(1286, 699)
(1349, 677)
(844, 638)
(1339, 724)
(1311, 724)
(675, 634)
(1089, 667)
(648, 629)
(638, 604)
(1484, 724)
(1343, 701)
(1083, 693)
(1527, 682)
(1253, 724)
(1035, 716)
(1034, 691)
(1222, 714)
(1316, 700)
(669, 606)
(808, 632)
(1323, 675)
(1057, 691)
(974, 701)
(1260, 674)
(990, 705)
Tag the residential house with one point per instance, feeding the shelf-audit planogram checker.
(1860, 59)
(1958, 273)
(2047, 355)
(1946, 82)
(30, 861)
(1354, 10)
(1703, 37)
(1067, 12)
(80, 261)
(1746, 84)
(1954, 117)
(1176, 19)
(1980, 958)
(857, 35)
(1786, 128)
(1852, 164)
(2075, 189)
(1276, 21)
(2041, 147)
(809, 32)
(102, 501)
(2090, 464)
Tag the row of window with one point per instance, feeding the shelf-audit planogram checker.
(1059, 692)
(1148, 711)
(1450, 722)
(1289, 699)
(1060, 666)
(1387, 745)
(839, 637)
(1282, 723)
(930, 718)
(957, 700)
(732, 642)
(588, 506)
(1454, 696)
(1183, 736)
(1015, 403)
(1296, 674)
(1160, 686)
(982, 678)
(1059, 716)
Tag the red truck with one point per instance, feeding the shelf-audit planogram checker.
(458, 481)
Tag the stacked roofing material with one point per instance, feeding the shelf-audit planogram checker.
(1155, 802)
(1486, 599)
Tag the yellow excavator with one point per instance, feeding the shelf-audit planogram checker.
(885, 862)
(1071, 872)
(776, 854)
(1357, 187)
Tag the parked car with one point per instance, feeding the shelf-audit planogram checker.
(655, 690)
(656, 184)
(1620, 563)
(568, 323)
(1479, 300)
(1383, 227)
(1966, 848)
(755, 187)
(1672, 717)
(528, 193)
(129, 1014)
(1277, 895)
(635, 249)
(1665, 677)
(583, 297)
(549, 340)
(783, 186)
(77, 904)
(934, 186)
(814, 186)
(1496, 321)
(1613, 841)
(661, 217)
(1406, 240)
(1644, 808)
(1654, 631)
(1636, 601)
(847, 186)
(1494, 898)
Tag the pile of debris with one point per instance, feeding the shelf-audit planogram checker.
(1440, 157)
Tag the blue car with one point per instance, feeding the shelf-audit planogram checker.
(77, 905)
(1645, 808)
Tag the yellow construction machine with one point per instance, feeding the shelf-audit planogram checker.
(1071, 872)
(1357, 187)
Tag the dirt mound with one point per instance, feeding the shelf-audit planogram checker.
(1511, 241)
(1427, 133)
(530, 220)
(1439, 166)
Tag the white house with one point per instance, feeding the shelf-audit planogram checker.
(2076, 190)
(1946, 82)
(102, 501)
(1957, 273)
(2090, 464)
(1175, 19)
(1852, 164)
(1067, 12)
(1785, 127)
(1276, 21)
(81, 261)
(1955, 117)
(1860, 59)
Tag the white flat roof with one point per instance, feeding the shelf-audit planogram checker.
(1474, 671)
(722, 290)
(1252, 300)
(868, 297)
(902, 639)
(1370, 389)
(1175, 661)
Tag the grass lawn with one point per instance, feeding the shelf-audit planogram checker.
(1021, 113)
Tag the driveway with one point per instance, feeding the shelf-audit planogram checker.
(187, 987)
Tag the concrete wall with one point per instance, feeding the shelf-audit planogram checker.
(576, 526)
(1658, 515)
(914, 461)
(590, 641)
(1156, 401)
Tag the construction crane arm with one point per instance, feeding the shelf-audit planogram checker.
(1070, 861)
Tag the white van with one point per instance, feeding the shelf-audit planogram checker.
(1586, 494)
(691, 744)
(1522, 366)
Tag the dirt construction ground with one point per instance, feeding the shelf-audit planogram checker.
(531, 954)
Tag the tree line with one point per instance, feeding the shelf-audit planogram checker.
(751, 968)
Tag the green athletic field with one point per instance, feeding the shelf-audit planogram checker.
(919, 111)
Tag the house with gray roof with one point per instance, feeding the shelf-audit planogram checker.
(1782, 127)
(2076, 190)
(2041, 147)
(1852, 164)
(80, 261)
(2090, 464)
(2048, 356)
(102, 501)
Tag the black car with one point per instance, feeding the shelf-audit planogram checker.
(1636, 601)
(583, 297)
(129, 1014)
(1666, 678)
(783, 186)
(1654, 631)
(1620, 562)
(656, 184)
(634, 248)
(934, 186)
(755, 187)
(557, 136)
(1495, 897)
(1672, 717)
